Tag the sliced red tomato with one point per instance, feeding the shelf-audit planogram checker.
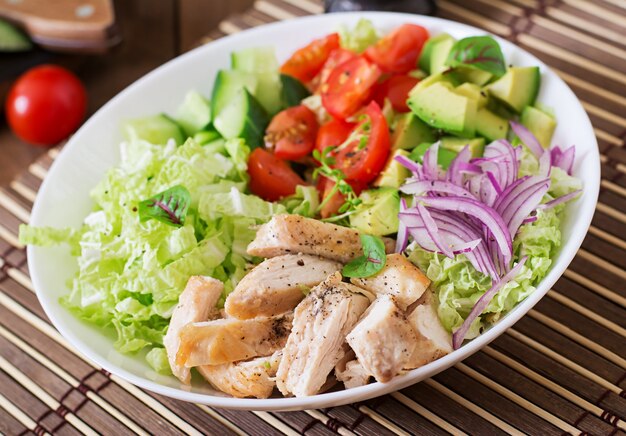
(331, 207)
(336, 57)
(398, 51)
(332, 134)
(306, 62)
(349, 87)
(292, 133)
(362, 162)
(270, 177)
(396, 88)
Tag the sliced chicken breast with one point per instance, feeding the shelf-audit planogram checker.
(251, 378)
(196, 303)
(383, 340)
(277, 285)
(315, 345)
(230, 340)
(285, 234)
(399, 278)
(349, 371)
(433, 340)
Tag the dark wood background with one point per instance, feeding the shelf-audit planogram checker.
(153, 32)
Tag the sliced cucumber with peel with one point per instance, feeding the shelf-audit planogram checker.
(243, 117)
(194, 114)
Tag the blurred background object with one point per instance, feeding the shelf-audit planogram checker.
(423, 7)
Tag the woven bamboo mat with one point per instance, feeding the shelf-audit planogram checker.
(561, 369)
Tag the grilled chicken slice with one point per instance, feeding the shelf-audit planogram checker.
(383, 340)
(295, 234)
(433, 340)
(399, 278)
(277, 285)
(315, 345)
(196, 303)
(230, 340)
(251, 378)
(349, 371)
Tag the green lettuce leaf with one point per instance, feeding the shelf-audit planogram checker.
(360, 37)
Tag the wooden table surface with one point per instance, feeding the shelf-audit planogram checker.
(153, 32)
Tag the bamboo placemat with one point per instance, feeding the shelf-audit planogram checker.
(560, 370)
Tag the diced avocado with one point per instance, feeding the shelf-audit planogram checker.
(490, 125)
(378, 214)
(227, 84)
(156, 129)
(439, 106)
(518, 88)
(472, 90)
(410, 131)
(499, 108)
(452, 143)
(243, 117)
(293, 91)
(540, 123)
(430, 80)
(426, 54)
(439, 55)
(209, 134)
(472, 75)
(394, 174)
(255, 60)
(194, 114)
(444, 157)
(12, 39)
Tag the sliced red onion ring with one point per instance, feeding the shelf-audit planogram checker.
(433, 231)
(527, 138)
(530, 219)
(412, 166)
(562, 199)
(566, 160)
(430, 167)
(485, 214)
(483, 302)
(437, 186)
(494, 182)
(403, 235)
(545, 164)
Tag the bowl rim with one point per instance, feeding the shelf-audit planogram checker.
(345, 396)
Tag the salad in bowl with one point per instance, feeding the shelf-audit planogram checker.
(347, 216)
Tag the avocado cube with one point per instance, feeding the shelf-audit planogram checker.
(452, 143)
(444, 156)
(472, 75)
(517, 88)
(378, 214)
(540, 123)
(490, 125)
(410, 131)
(394, 174)
(472, 90)
(427, 50)
(439, 106)
(439, 55)
(430, 80)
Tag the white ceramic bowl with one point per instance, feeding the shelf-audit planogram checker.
(63, 198)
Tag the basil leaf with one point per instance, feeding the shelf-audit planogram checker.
(169, 206)
(481, 52)
(372, 261)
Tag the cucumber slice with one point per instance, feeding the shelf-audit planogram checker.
(293, 90)
(12, 39)
(156, 129)
(269, 92)
(255, 60)
(227, 85)
(243, 117)
(194, 114)
(205, 136)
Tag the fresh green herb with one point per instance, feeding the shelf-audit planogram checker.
(169, 206)
(267, 365)
(340, 184)
(306, 290)
(372, 261)
(481, 52)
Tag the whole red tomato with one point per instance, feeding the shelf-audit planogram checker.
(45, 105)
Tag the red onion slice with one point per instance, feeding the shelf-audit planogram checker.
(412, 166)
(527, 138)
(483, 302)
(403, 235)
(437, 186)
(433, 231)
(562, 199)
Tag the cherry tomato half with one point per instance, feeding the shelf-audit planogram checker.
(292, 132)
(332, 134)
(336, 57)
(396, 88)
(398, 51)
(270, 177)
(331, 207)
(349, 87)
(45, 105)
(306, 62)
(363, 162)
